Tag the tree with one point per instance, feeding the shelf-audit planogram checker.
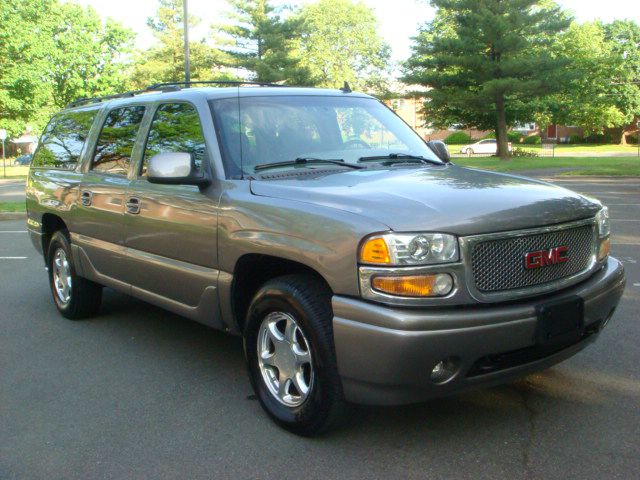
(259, 41)
(339, 42)
(624, 39)
(23, 64)
(602, 90)
(52, 53)
(164, 62)
(88, 55)
(487, 62)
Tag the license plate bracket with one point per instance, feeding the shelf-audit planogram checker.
(560, 321)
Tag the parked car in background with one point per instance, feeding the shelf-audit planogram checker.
(23, 160)
(488, 145)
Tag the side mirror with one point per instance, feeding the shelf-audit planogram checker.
(440, 149)
(174, 168)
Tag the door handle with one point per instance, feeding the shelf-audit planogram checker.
(133, 205)
(86, 197)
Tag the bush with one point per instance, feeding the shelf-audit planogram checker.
(532, 140)
(602, 138)
(513, 137)
(458, 138)
(521, 152)
(575, 139)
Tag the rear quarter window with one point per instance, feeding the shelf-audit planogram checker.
(63, 140)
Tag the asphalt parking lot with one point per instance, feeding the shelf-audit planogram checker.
(141, 393)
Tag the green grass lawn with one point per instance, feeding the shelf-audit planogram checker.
(584, 148)
(14, 172)
(12, 207)
(614, 166)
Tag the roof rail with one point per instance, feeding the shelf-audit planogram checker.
(167, 87)
(234, 83)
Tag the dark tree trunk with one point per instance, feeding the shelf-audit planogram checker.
(501, 128)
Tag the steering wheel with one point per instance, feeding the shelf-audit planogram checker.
(355, 142)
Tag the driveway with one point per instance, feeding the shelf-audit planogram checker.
(11, 190)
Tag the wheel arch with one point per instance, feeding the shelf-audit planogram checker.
(252, 271)
(51, 223)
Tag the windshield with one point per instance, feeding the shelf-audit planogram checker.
(263, 130)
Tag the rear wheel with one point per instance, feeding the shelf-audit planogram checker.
(291, 357)
(75, 297)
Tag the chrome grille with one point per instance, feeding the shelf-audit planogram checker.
(498, 264)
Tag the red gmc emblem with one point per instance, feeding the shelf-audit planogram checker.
(544, 258)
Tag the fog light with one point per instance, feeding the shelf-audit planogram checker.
(437, 285)
(444, 370)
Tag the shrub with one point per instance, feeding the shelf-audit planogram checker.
(458, 138)
(603, 138)
(521, 152)
(513, 137)
(532, 140)
(575, 139)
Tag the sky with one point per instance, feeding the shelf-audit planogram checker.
(399, 19)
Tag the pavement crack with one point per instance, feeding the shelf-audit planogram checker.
(531, 429)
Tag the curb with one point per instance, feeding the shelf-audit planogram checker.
(13, 216)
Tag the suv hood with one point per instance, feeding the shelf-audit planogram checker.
(451, 199)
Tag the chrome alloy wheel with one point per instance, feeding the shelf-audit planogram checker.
(62, 276)
(284, 358)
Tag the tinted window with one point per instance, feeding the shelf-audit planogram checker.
(116, 141)
(175, 128)
(63, 139)
(259, 130)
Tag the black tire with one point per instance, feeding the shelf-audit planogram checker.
(308, 300)
(85, 296)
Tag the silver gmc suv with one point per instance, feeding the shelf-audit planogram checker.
(356, 261)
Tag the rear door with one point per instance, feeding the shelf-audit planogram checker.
(99, 220)
(171, 230)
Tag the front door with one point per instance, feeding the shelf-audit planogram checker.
(99, 219)
(171, 230)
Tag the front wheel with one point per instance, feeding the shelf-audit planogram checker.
(75, 297)
(290, 354)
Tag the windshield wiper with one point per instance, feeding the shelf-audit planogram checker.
(400, 158)
(306, 161)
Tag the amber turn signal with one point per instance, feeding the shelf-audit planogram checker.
(605, 246)
(375, 251)
(437, 285)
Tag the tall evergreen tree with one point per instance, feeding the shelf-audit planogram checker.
(486, 61)
(259, 41)
(164, 62)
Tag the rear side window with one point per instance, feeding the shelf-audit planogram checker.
(63, 139)
(175, 128)
(116, 141)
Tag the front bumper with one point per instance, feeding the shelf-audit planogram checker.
(386, 355)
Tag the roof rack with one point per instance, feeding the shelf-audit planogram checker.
(167, 87)
(157, 86)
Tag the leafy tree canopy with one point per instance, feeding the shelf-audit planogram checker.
(51, 53)
(603, 91)
(338, 41)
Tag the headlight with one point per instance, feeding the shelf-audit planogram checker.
(409, 249)
(602, 219)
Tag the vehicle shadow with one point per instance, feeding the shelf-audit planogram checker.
(214, 360)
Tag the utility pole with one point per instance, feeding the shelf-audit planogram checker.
(187, 60)
(3, 137)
